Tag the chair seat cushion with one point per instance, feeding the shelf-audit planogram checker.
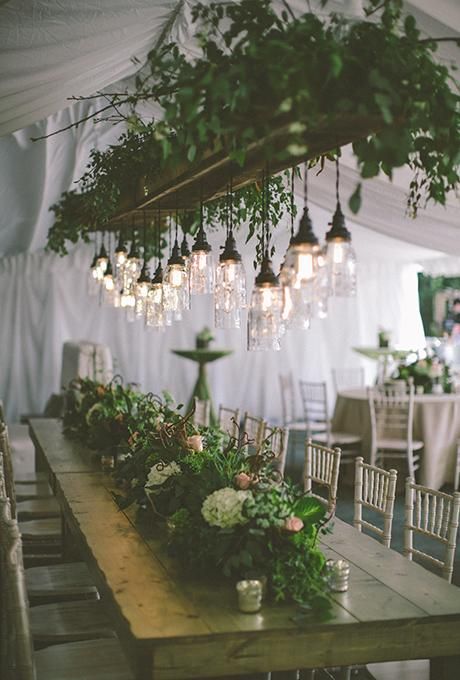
(69, 622)
(38, 508)
(397, 444)
(60, 580)
(91, 660)
(41, 529)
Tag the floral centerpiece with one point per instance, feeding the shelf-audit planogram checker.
(101, 416)
(426, 373)
(225, 513)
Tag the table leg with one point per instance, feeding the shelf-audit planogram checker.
(445, 668)
(203, 392)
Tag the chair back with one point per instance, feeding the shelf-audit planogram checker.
(276, 439)
(253, 431)
(375, 490)
(322, 465)
(347, 378)
(229, 420)
(8, 467)
(17, 646)
(288, 406)
(315, 409)
(431, 514)
(202, 412)
(392, 415)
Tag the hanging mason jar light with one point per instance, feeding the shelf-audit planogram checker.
(299, 268)
(155, 316)
(133, 265)
(185, 253)
(230, 289)
(141, 291)
(121, 256)
(102, 261)
(93, 275)
(176, 281)
(340, 256)
(265, 311)
(321, 288)
(201, 265)
(265, 323)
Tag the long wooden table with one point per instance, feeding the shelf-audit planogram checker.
(176, 628)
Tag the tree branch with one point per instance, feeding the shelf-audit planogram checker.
(427, 40)
(74, 125)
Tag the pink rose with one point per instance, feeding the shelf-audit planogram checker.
(195, 442)
(243, 481)
(293, 524)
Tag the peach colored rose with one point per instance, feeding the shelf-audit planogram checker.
(100, 391)
(293, 524)
(243, 481)
(195, 442)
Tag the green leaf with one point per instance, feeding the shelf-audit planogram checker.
(354, 201)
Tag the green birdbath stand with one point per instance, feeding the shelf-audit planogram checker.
(202, 355)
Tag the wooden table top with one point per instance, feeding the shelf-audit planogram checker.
(181, 628)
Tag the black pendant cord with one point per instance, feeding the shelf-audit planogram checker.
(177, 225)
(337, 179)
(144, 235)
(227, 212)
(292, 202)
(264, 188)
(158, 238)
(267, 212)
(169, 234)
(305, 186)
(231, 206)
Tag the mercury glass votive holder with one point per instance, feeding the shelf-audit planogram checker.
(249, 595)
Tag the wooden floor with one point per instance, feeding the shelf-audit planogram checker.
(23, 453)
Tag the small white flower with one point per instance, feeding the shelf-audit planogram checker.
(160, 472)
(224, 507)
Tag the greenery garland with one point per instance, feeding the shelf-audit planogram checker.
(259, 70)
(227, 513)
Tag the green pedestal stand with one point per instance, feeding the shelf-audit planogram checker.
(202, 357)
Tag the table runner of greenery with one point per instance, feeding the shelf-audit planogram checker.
(226, 511)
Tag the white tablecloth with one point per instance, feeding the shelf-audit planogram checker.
(436, 423)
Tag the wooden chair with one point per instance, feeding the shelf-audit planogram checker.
(375, 490)
(202, 412)
(34, 508)
(322, 465)
(92, 660)
(347, 378)
(253, 430)
(392, 416)
(431, 514)
(51, 583)
(316, 413)
(229, 420)
(276, 440)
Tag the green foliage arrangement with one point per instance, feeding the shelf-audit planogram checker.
(228, 513)
(258, 70)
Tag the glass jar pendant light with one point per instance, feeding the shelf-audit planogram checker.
(230, 288)
(265, 323)
(265, 310)
(176, 281)
(340, 256)
(201, 264)
(121, 256)
(155, 316)
(93, 274)
(141, 291)
(102, 261)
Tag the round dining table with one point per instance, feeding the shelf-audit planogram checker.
(436, 423)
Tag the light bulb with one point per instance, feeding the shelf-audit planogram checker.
(201, 266)
(230, 287)
(340, 258)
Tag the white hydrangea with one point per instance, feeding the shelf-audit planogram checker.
(160, 472)
(224, 507)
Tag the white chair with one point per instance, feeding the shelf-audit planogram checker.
(316, 413)
(229, 420)
(322, 465)
(92, 660)
(431, 514)
(457, 468)
(392, 417)
(375, 490)
(202, 413)
(252, 432)
(347, 378)
(276, 441)
(288, 403)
